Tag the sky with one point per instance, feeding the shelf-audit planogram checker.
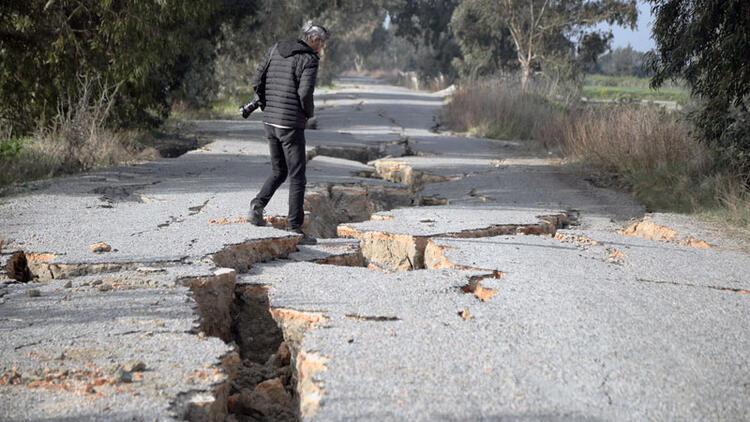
(640, 39)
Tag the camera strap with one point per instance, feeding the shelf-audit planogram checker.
(268, 62)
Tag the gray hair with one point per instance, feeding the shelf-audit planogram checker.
(311, 30)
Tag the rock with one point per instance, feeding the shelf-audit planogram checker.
(105, 288)
(465, 315)
(68, 284)
(96, 282)
(18, 268)
(33, 293)
(284, 354)
(135, 365)
(233, 402)
(280, 358)
(272, 392)
(100, 247)
(123, 376)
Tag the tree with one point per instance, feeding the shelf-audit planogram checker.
(142, 48)
(426, 23)
(623, 61)
(541, 30)
(485, 49)
(707, 42)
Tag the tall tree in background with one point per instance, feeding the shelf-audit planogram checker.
(485, 49)
(623, 61)
(707, 42)
(426, 23)
(142, 48)
(541, 30)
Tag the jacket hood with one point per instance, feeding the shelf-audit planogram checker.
(294, 46)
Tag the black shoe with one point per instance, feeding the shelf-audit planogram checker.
(256, 214)
(306, 240)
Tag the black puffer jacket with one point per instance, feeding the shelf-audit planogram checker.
(289, 83)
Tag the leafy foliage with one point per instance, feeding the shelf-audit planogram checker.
(10, 148)
(622, 61)
(544, 33)
(708, 44)
(143, 48)
(485, 49)
(426, 23)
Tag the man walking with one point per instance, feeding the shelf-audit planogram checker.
(285, 82)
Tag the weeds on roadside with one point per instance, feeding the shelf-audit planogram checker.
(77, 139)
(499, 110)
(650, 151)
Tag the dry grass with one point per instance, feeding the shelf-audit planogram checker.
(76, 141)
(500, 110)
(648, 150)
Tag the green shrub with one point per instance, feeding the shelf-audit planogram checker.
(10, 148)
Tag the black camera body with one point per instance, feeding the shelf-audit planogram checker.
(251, 106)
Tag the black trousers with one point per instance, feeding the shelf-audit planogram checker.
(288, 157)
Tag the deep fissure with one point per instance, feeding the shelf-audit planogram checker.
(264, 388)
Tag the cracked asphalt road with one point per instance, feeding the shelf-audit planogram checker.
(586, 323)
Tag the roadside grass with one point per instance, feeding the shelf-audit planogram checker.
(224, 108)
(219, 109)
(630, 89)
(646, 150)
(76, 141)
(488, 109)
(632, 94)
(52, 153)
(628, 82)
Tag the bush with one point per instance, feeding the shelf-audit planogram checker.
(647, 147)
(76, 140)
(10, 148)
(500, 109)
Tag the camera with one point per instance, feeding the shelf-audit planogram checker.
(251, 106)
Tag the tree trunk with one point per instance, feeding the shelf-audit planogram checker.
(525, 70)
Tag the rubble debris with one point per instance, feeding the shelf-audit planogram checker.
(475, 286)
(224, 221)
(647, 229)
(100, 247)
(465, 315)
(135, 365)
(575, 238)
(263, 388)
(123, 376)
(33, 293)
(614, 256)
(198, 208)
